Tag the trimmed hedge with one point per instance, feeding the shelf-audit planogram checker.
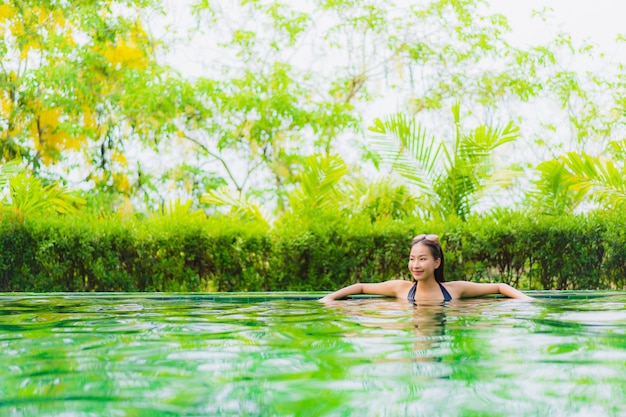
(321, 253)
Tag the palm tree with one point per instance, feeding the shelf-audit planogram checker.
(315, 186)
(8, 170)
(318, 178)
(449, 176)
(28, 195)
(381, 199)
(555, 191)
(603, 180)
(239, 205)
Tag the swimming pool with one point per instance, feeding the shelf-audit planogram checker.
(288, 355)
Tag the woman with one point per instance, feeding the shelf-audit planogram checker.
(426, 265)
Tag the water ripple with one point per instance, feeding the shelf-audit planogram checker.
(162, 356)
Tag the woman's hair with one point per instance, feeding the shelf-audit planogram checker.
(432, 242)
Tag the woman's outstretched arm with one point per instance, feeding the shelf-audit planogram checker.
(473, 289)
(387, 288)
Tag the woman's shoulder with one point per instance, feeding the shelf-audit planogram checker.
(396, 283)
(391, 288)
(454, 283)
(455, 288)
(400, 282)
(401, 287)
(462, 284)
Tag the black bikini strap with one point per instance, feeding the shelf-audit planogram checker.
(411, 296)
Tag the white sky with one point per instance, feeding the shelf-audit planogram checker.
(598, 20)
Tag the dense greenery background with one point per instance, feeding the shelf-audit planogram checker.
(85, 253)
(119, 171)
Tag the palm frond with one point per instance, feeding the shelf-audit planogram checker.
(175, 209)
(468, 168)
(483, 141)
(403, 143)
(237, 202)
(30, 196)
(618, 149)
(450, 176)
(500, 179)
(318, 181)
(385, 198)
(555, 190)
(597, 175)
(8, 170)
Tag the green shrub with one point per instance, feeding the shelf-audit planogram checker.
(317, 251)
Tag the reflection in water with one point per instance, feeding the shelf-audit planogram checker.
(419, 328)
(430, 343)
(177, 355)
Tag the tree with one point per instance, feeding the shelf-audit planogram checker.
(575, 179)
(588, 170)
(267, 107)
(28, 195)
(555, 192)
(262, 120)
(449, 176)
(80, 87)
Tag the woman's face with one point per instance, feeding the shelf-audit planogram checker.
(422, 264)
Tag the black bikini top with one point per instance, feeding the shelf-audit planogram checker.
(446, 294)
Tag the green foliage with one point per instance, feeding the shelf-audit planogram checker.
(324, 248)
(411, 153)
(541, 252)
(576, 178)
(175, 211)
(318, 182)
(7, 171)
(18, 248)
(273, 112)
(29, 197)
(265, 118)
(602, 178)
(307, 251)
(81, 86)
(80, 83)
(381, 200)
(555, 191)
(614, 242)
(450, 184)
(58, 253)
(240, 206)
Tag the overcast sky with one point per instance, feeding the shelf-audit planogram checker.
(598, 20)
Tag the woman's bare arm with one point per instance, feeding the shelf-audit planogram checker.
(506, 289)
(474, 289)
(387, 288)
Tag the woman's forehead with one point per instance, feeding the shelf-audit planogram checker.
(420, 249)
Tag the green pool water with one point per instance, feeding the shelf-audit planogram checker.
(563, 354)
